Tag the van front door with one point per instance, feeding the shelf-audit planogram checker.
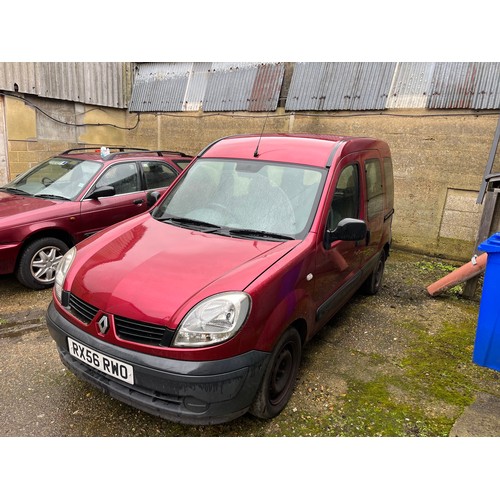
(337, 264)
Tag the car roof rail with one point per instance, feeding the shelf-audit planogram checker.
(160, 153)
(124, 151)
(157, 152)
(94, 149)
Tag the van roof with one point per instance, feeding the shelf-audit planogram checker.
(307, 149)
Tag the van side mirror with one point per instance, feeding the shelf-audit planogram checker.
(102, 192)
(347, 230)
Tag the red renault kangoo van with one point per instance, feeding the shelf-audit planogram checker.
(197, 310)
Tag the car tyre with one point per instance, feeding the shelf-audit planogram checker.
(279, 378)
(373, 283)
(38, 262)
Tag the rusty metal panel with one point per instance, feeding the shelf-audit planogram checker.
(453, 85)
(466, 85)
(216, 86)
(337, 86)
(266, 87)
(244, 87)
(229, 87)
(99, 83)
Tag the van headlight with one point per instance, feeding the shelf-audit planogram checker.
(213, 320)
(62, 270)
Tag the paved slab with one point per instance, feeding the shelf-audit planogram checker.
(480, 419)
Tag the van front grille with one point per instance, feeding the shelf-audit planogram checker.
(81, 309)
(126, 329)
(144, 333)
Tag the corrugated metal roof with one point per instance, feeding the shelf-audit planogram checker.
(252, 86)
(465, 85)
(160, 86)
(323, 86)
(221, 86)
(411, 86)
(20, 77)
(99, 83)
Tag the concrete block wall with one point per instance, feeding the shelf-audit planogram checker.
(439, 157)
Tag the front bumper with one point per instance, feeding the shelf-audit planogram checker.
(8, 257)
(189, 392)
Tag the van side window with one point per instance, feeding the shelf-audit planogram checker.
(345, 203)
(374, 188)
(389, 183)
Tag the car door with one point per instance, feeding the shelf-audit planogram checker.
(337, 264)
(158, 175)
(129, 199)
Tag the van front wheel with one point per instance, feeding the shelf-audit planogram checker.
(279, 379)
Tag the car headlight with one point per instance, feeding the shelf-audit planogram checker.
(213, 320)
(62, 270)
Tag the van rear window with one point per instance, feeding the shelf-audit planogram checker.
(374, 188)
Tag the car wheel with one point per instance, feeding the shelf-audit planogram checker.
(279, 378)
(372, 285)
(38, 262)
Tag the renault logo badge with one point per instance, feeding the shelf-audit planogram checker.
(103, 324)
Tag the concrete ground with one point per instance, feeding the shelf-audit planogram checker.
(395, 364)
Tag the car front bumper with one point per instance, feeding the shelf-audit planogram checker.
(189, 392)
(8, 257)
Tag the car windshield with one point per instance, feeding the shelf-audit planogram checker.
(57, 177)
(245, 197)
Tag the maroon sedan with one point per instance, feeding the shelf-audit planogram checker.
(65, 199)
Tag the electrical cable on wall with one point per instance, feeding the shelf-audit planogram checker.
(67, 123)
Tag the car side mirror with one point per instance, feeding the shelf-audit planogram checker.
(152, 197)
(347, 230)
(102, 192)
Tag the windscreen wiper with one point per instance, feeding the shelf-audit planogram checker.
(15, 191)
(254, 233)
(51, 197)
(186, 222)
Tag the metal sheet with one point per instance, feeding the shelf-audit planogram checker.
(412, 85)
(220, 86)
(339, 86)
(100, 83)
(466, 85)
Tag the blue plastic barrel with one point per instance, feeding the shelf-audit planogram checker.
(487, 343)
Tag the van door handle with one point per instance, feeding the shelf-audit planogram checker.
(139, 201)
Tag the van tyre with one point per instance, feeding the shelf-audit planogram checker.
(373, 283)
(38, 263)
(279, 378)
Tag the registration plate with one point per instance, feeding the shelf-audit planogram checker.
(105, 364)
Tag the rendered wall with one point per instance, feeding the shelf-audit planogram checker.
(439, 158)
